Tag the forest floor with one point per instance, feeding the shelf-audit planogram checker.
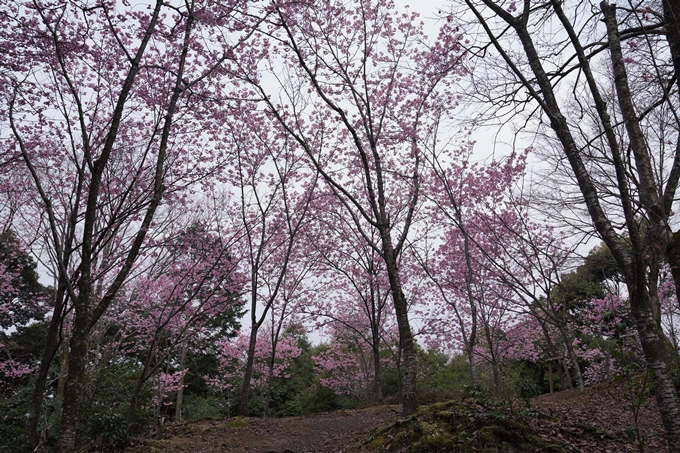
(594, 421)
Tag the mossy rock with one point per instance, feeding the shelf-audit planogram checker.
(446, 406)
(158, 446)
(513, 425)
(421, 429)
(446, 416)
(440, 442)
(237, 422)
(377, 442)
(457, 426)
(498, 434)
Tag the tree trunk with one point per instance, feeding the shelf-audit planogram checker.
(560, 372)
(377, 380)
(572, 358)
(270, 376)
(472, 340)
(140, 383)
(673, 257)
(180, 390)
(409, 398)
(63, 367)
(248, 373)
(671, 11)
(497, 381)
(567, 375)
(400, 381)
(74, 383)
(474, 377)
(51, 345)
(268, 394)
(655, 347)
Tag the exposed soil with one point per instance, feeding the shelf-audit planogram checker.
(595, 421)
(605, 407)
(323, 433)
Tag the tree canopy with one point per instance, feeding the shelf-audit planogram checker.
(210, 185)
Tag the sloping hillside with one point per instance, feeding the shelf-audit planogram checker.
(595, 421)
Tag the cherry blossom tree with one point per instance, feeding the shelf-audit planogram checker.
(461, 194)
(624, 170)
(105, 103)
(297, 290)
(234, 357)
(173, 302)
(353, 281)
(455, 299)
(274, 191)
(355, 85)
(532, 265)
(346, 364)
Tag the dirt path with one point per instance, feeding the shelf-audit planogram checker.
(320, 433)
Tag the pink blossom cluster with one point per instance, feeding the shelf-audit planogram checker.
(165, 385)
(232, 357)
(342, 370)
(11, 369)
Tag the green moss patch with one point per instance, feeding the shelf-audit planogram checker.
(237, 422)
(458, 426)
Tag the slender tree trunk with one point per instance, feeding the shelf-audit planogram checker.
(51, 345)
(567, 375)
(140, 383)
(375, 347)
(572, 358)
(671, 11)
(474, 377)
(673, 256)
(180, 390)
(366, 372)
(377, 304)
(409, 398)
(497, 381)
(63, 367)
(560, 372)
(472, 339)
(377, 381)
(270, 376)
(248, 373)
(159, 403)
(400, 381)
(552, 356)
(268, 394)
(74, 383)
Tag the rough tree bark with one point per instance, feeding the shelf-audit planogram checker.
(640, 196)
